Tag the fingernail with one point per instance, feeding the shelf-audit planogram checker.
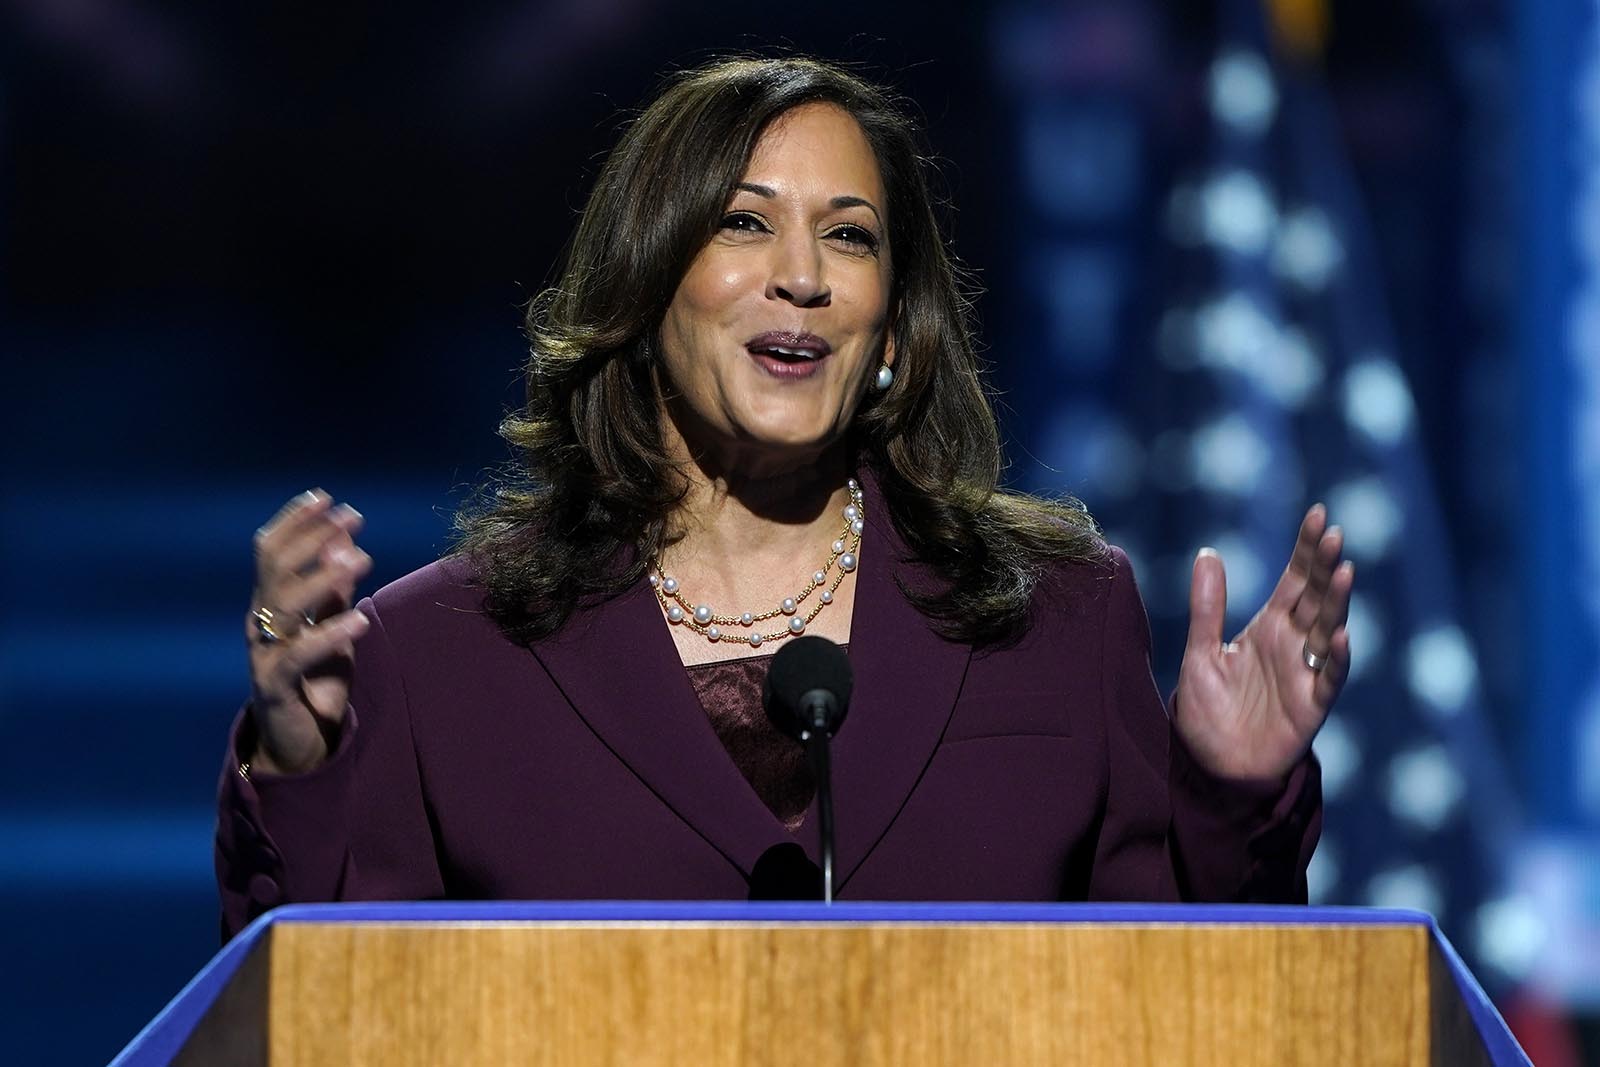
(358, 623)
(310, 496)
(1207, 551)
(350, 511)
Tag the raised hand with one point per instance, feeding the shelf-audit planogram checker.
(301, 630)
(1250, 707)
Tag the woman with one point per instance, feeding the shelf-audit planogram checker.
(753, 410)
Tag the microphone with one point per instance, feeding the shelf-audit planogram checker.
(806, 695)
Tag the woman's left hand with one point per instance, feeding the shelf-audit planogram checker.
(1249, 708)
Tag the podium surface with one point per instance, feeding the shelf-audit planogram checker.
(883, 983)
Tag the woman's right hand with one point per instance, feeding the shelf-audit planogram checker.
(307, 567)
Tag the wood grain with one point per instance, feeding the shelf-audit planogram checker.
(1212, 996)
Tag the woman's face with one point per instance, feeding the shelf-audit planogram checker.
(779, 324)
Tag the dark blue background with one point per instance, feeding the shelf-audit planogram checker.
(245, 249)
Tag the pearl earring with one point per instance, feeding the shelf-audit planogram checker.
(885, 377)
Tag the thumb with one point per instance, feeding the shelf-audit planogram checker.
(1208, 602)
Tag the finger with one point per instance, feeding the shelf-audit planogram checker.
(1293, 580)
(346, 566)
(1323, 564)
(300, 551)
(1208, 602)
(1335, 608)
(1330, 680)
(326, 589)
(290, 517)
(314, 645)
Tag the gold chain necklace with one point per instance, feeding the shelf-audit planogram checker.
(703, 620)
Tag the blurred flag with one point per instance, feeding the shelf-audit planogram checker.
(1271, 381)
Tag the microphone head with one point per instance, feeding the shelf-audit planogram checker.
(809, 676)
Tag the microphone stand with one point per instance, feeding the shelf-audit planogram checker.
(815, 738)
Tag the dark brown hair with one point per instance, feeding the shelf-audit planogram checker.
(592, 483)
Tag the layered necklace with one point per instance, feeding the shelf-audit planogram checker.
(704, 620)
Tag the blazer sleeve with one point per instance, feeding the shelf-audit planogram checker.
(355, 828)
(1172, 830)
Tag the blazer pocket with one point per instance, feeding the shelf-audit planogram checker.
(1019, 714)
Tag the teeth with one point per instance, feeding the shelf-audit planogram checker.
(804, 353)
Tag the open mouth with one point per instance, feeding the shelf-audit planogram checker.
(788, 355)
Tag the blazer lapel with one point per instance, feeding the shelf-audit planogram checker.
(640, 704)
(618, 668)
(907, 679)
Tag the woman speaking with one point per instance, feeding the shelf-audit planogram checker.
(754, 411)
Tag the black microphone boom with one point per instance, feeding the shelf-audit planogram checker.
(806, 695)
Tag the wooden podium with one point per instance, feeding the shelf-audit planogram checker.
(902, 984)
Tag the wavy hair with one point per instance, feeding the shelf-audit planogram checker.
(587, 501)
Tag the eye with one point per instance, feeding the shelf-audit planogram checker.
(743, 222)
(858, 236)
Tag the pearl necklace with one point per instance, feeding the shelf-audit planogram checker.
(704, 621)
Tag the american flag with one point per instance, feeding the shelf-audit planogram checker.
(1217, 355)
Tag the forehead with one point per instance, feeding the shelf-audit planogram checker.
(820, 148)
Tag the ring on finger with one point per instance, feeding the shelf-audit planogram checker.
(1311, 659)
(266, 621)
(264, 618)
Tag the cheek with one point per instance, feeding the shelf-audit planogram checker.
(702, 317)
(709, 289)
(869, 296)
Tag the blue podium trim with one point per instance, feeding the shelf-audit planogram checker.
(159, 1042)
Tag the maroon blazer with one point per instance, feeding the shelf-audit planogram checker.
(584, 766)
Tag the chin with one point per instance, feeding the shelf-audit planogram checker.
(788, 429)
(786, 439)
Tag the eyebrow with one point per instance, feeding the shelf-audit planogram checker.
(836, 203)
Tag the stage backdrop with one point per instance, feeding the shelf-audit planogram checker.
(1235, 257)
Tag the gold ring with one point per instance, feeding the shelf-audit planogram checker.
(263, 619)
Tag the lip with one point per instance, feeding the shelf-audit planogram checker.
(815, 348)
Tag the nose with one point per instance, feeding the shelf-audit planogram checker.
(796, 276)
